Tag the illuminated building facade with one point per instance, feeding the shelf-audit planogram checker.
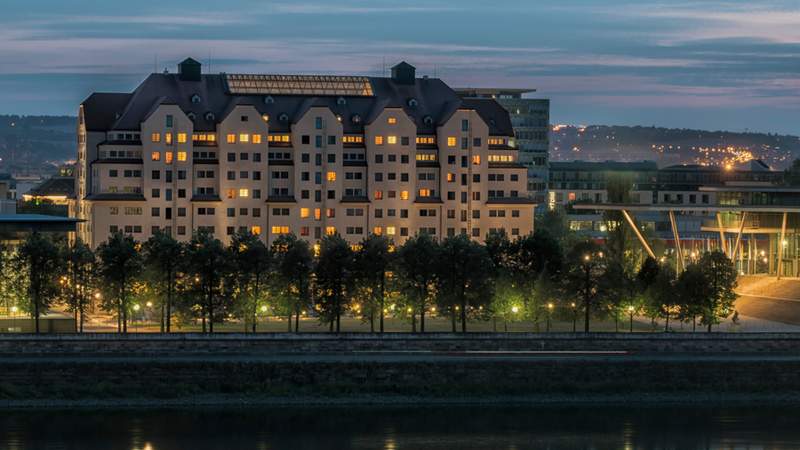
(530, 118)
(303, 154)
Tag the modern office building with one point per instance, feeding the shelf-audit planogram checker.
(304, 154)
(530, 118)
(744, 211)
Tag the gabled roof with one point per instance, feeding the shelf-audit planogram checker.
(427, 101)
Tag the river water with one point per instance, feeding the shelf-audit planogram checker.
(419, 428)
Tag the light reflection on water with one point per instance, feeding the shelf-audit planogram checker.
(392, 428)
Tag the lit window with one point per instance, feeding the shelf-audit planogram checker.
(496, 141)
(231, 193)
(426, 157)
(155, 156)
(181, 156)
(168, 157)
(168, 138)
(378, 140)
(155, 137)
(451, 141)
(390, 231)
(256, 139)
(403, 195)
(276, 229)
(244, 192)
(353, 139)
(255, 229)
(304, 213)
(476, 160)
(317, 214)
(265, 117)
(392, 139)
(426, 140)
(181, 138)
(424, 192)
(451, 177)
(331, 176)
(330, 231)
(377, 230)
(231, 139)
(501, 158)
(378, 195)
(571, 196)
(244, 137)
(391, 120)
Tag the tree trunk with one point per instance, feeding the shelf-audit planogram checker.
(289, 321)
(694, 324)
(383, 295)
(168, 318)
(36, 312)
(210, 310)
(586, 301)
(422, 298)
(372, 320)
(666, 323)
(413, 322)
(297, 321)
(463, 315)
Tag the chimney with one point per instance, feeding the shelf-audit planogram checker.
(404, 73)
(189, 70)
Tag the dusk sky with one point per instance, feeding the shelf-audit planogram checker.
(713, 65)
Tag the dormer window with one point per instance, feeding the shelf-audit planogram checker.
(196, 99)
(341, 101)
(356, 118)
(191, 116)
(269, 100)
(427, 120)
(210, 116)
(412, 103)
(283, 117)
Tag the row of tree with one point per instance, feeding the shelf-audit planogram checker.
(203, 281)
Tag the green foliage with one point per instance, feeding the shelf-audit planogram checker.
(294, 263)
(250, 259)
(464, 286)
(80, 279)
(334, 279)
(39, 258)
(720, 275)
(416, 263)
(372, 260)
(120, 267)
(208, 262)
(586, 267)
(164, 260)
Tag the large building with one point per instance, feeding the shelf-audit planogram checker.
(530, 118)
(303, 154)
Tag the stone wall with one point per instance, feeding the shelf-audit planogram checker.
(309, 343)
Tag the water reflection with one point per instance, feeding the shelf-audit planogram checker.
(440, 428)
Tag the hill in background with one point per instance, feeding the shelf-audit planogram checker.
(669, 146)
(38, 144)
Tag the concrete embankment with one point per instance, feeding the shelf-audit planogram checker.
(532, 367)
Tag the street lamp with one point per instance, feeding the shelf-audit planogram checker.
(136, 309)
(514, 309)
(549, 312)
(630, 311)
(574, 315)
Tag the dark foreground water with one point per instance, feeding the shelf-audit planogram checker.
(462, 428)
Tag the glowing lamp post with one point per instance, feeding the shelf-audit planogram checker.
(630, 312)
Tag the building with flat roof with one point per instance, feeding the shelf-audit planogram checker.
(304, 154)
(530, 118)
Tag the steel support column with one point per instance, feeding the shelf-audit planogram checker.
(738, 237)
(780, 246)
(638, 234)
(721, 235)
(677, 238)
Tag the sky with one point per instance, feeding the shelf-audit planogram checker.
(732, 65)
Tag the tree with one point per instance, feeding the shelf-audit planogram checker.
(38, 256)
(251, 261)
(334, 278)
(532, 256)
(163, 259)
(81, 269)
(463, 276)
(416, 260)
(692, 290)
(720, 275)
(661, 296)
(120, 265)
(294, 262)
(371, 263)
(617, 290)
(586, 264)
(208, 262)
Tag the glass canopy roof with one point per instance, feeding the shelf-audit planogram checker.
(298, 85)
